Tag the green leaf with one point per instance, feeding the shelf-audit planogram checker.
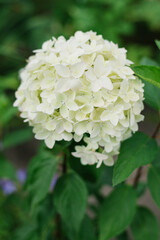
(154, 184)
(6, 170)
(117, 212)
(144, 226)
(150, 74)
(40, 173)
(157, 43)
(149, 62)
(152, 95)
(156, 161)
(151, 92)
(26, 232)
(141, 188)
(70, 200)
(17, 137)
(87, 231)
(136, 151)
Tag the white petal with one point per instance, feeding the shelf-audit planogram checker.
(106, 83)
(80, 115)
(109, 161)
(90, 75)
(95, 86)
(77, 69)
(80, 128)
(77, 138)
(64, 111)
(67, 136)
(51, 125)
(99, 67)
(65, 84)
(42, 135)
(114, 120)
(67, 126)
(105, 115)
(50, 141)
(62, 70)
(72, 105)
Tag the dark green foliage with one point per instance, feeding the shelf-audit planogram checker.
(70, 200)
(87, 231)
(151, 92)
(150, 74)
(145, 225)
(154, 183)
(152, 95)
(154, 179)
(24, 26)
(136, 151)
(117, 212)
(40, 174)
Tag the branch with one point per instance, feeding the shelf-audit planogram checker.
(156, 131)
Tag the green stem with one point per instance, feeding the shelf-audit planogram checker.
(64, 165)
(58, 221)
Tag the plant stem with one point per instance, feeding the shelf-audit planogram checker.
(58, 221)
(58, 227)
(64, 165)
(156, 131)
(139, 171)
(137, 177)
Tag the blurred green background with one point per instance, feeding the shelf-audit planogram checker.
(24, 26)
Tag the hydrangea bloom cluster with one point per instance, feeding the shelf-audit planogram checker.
(79, 88)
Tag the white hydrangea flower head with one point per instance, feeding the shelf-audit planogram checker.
(79, 88)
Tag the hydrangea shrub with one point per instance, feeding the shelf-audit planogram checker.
(83, 97)
(78, 88)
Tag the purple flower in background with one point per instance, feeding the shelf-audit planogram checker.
(53, 183)
(21, 175)
(7, 186)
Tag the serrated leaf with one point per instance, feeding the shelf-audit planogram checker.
(154, 183)
(150, 74)
(117, 212)
(136, 151)
(70, 200)
(145, 225)
(40, 173)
